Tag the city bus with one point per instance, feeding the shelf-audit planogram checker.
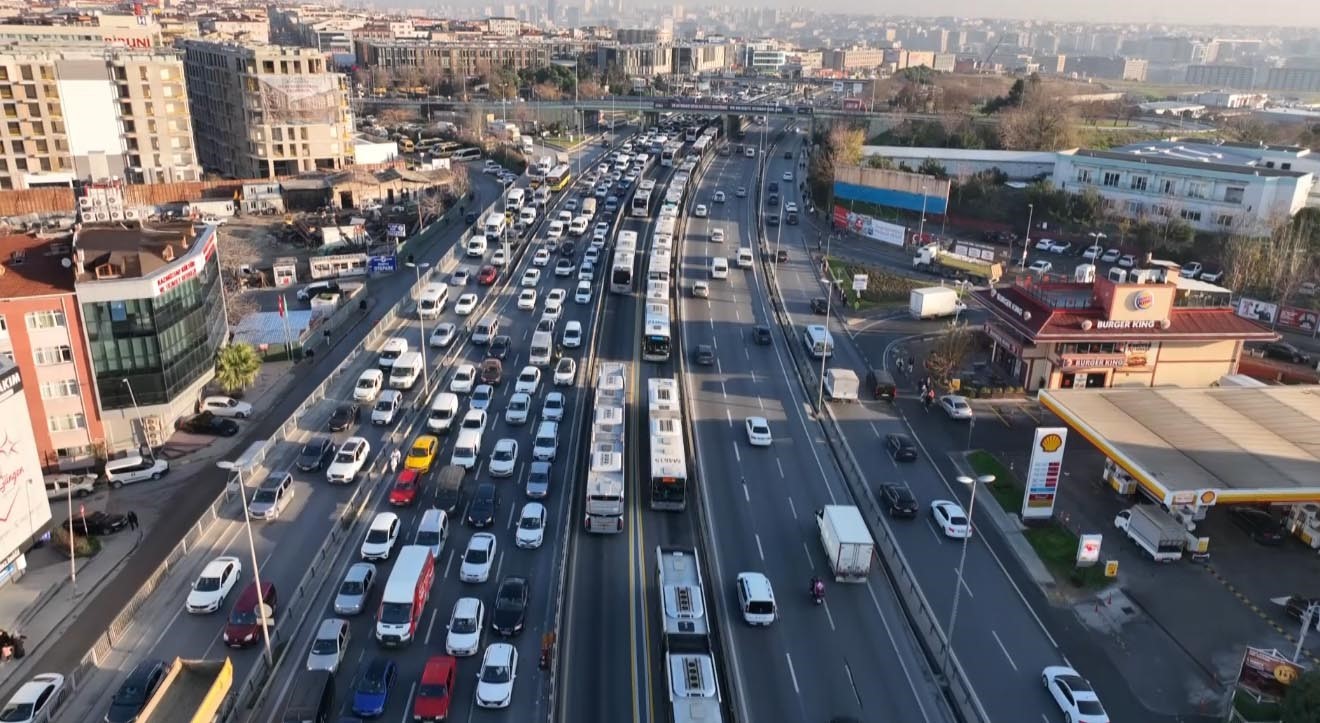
(657, 268)
(668, 474)
(559, 177)
(642, 202)
(690, 671)
(605, 476)
(671, 154)
(657, 331)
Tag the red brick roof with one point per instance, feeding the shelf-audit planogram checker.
(39, 273)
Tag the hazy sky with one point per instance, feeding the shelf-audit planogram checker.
(1288, 13)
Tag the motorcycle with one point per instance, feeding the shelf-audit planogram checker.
(818, 593)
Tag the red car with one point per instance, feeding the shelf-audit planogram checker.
(487, 275)
(404, 491)
(436, 689)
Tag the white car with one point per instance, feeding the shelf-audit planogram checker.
(552, 409)
(481, 397)
(531, 526)
(758, 432)
(227, 407)
(464, 636)
(531, 277)
(499, 259)
(368, 385)
(701, 211)
(529, 380)
(474, 419)
(39, 699)
(601, 233)
(1093, 252)
(1127, 261)
(499, 668)
(719, 197)
(541, 257)
(214, 585)
(461, 277)
(572, 338)
(527, 299)
(555, 297)
(1040, 267)
(951, 519)
(1044, 244)
(1111, 256)
(478, 558)
(579, 226)
(466, 304)
(519, 409)
(717, 236)
(565, 216)
(565, 372)
(587, 271)
(583, 293)
(1075, 697)
(349, 460)
(556, 231)
(381, 536)
(386, 407)
(1060, 247)
(553, 310)
(564, 267)
(504, 458)
(329, 646)
(465, 377)
(443, 335)
(956, 406)
(788, 175)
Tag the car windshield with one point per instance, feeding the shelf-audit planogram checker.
(530, 522)
(395, 613)
(311, 450)
(208, 584)
(17, 712)
(378, 536)
(385, 405)
(517, 405)
(366, 383)
(352, 587)
(373, 682)
(325, 646)
(264, 497)
(432, 690)
(554, 403)
(428, 537)
(242, 616)
(476, 555)
(130, 694)
(495, 674)
(504, 454)
(463, 626)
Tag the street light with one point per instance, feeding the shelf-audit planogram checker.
(957, 590)
(921, 229)
(138, 411)
(829, 343)
(1026, 242)
(262, 611)
(421, 321)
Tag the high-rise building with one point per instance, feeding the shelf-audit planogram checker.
(92, 114)
(1239, 77)
(263, 111)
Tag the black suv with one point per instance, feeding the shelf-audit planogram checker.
(510, 606)
(208, 423)
(96, 523)
(820, 305)
(901, 447)
(761, 335)
(1262, 526)
(316, 454)
(344, 415)
(1286, 352)
(898, 500)
(499, 346)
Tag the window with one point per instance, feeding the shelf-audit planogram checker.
(1233, 194)
(1083, 175)
(1111, 178)
(50, 319)
(1190, 215)
(59, 389)
(4, 327)
(1224, 219)
(1134, 208)
(48, 355)
(1138, 183)
(79, 452)
(1195, 190)
(66, 422)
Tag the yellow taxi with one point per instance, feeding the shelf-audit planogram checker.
(422, 454)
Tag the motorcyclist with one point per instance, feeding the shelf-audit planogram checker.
(817, 588)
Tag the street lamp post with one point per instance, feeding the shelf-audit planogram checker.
(962, 560)
(425, 345)
(921, 228)
(138, 411)
(829, 345)
(252, 548)
(1026, 242)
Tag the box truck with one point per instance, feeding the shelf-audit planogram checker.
(934, 302)
(841, 385)
(1154, 531)
(847, 542)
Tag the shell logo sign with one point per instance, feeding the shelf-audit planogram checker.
(1051, 442)
(1143, 300)
(1044, 472)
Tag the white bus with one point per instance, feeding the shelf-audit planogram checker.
(641, 203)
(671, 155)
(664, 233)
(659, 265)
(668, 450)
(690, 672)
(657, 331)
(605, 476)
(621, 273)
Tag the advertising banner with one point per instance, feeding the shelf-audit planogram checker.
(872, 228)
(1256, 310)
(24, 508)
(383, 264)
(1267, 673)
(1088, 550)
(1043, 472)
(1300, 319)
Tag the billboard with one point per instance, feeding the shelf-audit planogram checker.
(24, 509)
(872, 228)
(1043, 472)
(1267, 673)
(1306, 320)
(1257, 310)
(892, 189)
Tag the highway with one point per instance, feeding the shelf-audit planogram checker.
(999, 639)
(539, 566)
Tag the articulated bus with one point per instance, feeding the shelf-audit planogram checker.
(625, 263)
(668, 451)
(605, 477)
(672, 154)
(657, 331)
(642, 202)
(559, 177)
(657, 268)
(663, 238)
(690, 673)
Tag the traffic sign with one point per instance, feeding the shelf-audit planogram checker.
(382, 264)
(859, 283)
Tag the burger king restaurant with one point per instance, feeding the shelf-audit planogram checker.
(1156, 329)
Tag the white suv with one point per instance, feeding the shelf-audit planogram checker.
(349, 460)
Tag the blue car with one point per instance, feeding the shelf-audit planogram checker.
(373, 688)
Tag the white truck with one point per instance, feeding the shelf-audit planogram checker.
(933, 302)
(847, 542)
(841, 385)
(1154, 531)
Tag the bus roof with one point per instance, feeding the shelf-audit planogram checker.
(681, 595)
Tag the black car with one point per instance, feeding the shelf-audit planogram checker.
(470, 218)
(344, 415)
(510, 606)
(1286, 352)
(820, 305)
(788, 155)
(781, 256)
(1296, 606)
(771, 220)
(96, 523)
(208, 423)
(772, 200)
(481, 511)
(316, 454)
(705, 354)
(899, 501)
(1262, 526)
(567, 248)
(135, 691)
(901, 447)
(499, 346)
(773, 188)
(761, 335)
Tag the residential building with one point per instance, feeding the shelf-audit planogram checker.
(105, 31)
(503, 27)
(637, 36)
(236, 27)
(153, 309)
(1297, 80)
(262, 111)
(693, 58)
(846, 59)
(27, 510)
(94, 113)
(41, 333)
(1240, 77)
(452, 59)
(1246, 155)
(1106, 67)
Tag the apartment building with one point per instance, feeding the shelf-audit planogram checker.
(94, 113)
(130, 31)
(1110, 68)
(455, 59)
(846, 59)
(262, 111)
(41, 333)
(1240, 77)
(693, 58)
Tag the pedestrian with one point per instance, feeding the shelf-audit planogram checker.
(912, 364)
(923, 388)
(132, 520)
(394, 461)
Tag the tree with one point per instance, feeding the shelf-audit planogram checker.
(236, 367)
(396, 116)
(547, 91)
(1273, 266)
(1039, 125)
(949, 351)
(590, 89)
(1301, 704)
(846, 145)
(459, 180)
(932, 167)
(614, 79)
(883, 163)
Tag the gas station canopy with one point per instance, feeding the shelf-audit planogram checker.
(1204, 446)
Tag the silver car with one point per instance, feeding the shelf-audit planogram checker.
(272, 496)
(329, 646)
(354, 590)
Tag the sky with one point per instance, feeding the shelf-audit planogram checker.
(1287, 13)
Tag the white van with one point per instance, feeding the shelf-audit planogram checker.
(588, 207)
(431, 302)
(542, 344)
(546, 443)
(756, 599)
(133, 468)
(496, 224)
(485, 330)
(527, 216)
(541, 196)
(719, 268)
(818, 340)
(433, 531)
(444, 408)
(406, 370)
(744, 258)
(513, 202)
(393, 348)
(466, 448)
(476, 246)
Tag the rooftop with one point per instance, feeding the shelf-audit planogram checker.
(128, 252)
(1205, 151)
(1247, 444)
(34, 266)
(1164, 160)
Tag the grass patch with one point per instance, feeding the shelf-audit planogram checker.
(882, 288)
(1006, 489)
(1256, 710)
(83, 547)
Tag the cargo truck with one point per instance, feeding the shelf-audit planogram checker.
(933, 302)
(841, 385)
(931, 257)
(193, 691)
(847, 542)
(1154, 531)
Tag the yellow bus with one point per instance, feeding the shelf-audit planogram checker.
(559, 177)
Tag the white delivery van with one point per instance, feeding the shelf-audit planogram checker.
(476, 245)
(527, 216)
(495, 226)
(407, 370)
(818, 341)
(588, 207)
(485, 330)
(513, 202)
(466, 448)
(431, 302)
(541, 196)
(542, 345)
(134, 468)
(744, 258)
(444, 408)
(719, 268)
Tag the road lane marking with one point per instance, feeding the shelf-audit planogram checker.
(759, 551)
(780, 465)
(829, 617)
(736, 453)
(811, 561)
(937, 532)
(876, 430)
(746, 494)
(449, 565)
(792, 508)
(792, 674)
(407, 708)
(1004, 650)
(912, 685)
(724, 390)
(430, 626)
(963, 581)
(728, 414)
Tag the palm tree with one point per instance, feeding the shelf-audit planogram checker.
(236, 367)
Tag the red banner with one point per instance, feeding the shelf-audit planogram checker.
(1300, 319)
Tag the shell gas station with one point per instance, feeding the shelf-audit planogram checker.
(1191, 449)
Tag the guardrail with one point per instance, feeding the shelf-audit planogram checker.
(958, 689)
